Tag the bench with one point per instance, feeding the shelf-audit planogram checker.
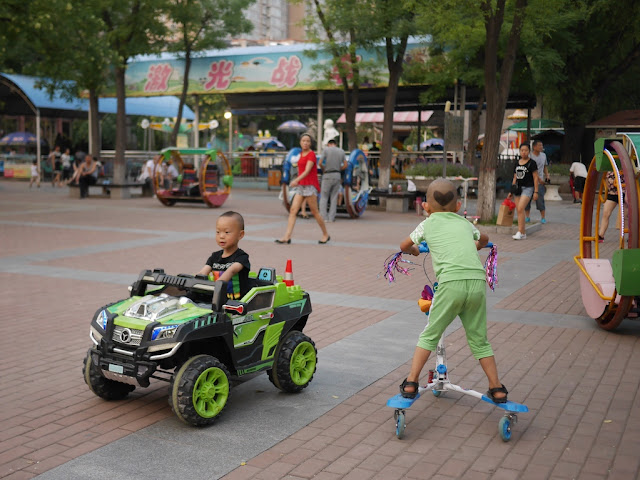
(105, 188)
(396, 201)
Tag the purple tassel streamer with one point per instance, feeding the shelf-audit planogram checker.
(392, 264)
(491, 268)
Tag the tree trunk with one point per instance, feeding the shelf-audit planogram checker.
(394, 63)
(387, 129)
(351, 104)
(475, 132)
(497, 86)
(183, 99)
(119, 164)
(94, 124)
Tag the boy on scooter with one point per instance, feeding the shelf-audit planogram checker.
(453, 242)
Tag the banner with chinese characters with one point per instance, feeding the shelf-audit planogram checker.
(254, 69)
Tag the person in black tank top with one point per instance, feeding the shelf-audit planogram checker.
(524, 187)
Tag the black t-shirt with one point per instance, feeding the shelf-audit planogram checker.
(239, 284)
(524, 173)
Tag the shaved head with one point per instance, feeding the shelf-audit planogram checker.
(235, 216)
(442, 196)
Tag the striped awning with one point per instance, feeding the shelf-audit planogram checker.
(398, 117)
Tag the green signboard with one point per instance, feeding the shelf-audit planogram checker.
(255, 69)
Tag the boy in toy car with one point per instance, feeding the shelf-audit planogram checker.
(230, 264)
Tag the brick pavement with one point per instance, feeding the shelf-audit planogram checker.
(580, 384)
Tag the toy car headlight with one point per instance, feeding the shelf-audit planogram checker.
(166, 331)
(102, 319)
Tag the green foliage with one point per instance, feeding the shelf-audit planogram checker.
(559, 169)
(15, 35)
(71, 55)
(198, 25)
(434, 169)
(585, 48)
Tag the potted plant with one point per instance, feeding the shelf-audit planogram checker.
(559, 173)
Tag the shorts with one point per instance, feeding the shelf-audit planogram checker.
(578, 184)
(540, 201)
(466, 299)
(305, 190)
(527, 191)
(613, 198)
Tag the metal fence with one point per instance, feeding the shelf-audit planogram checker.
(256, 164)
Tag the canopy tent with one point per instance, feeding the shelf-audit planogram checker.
(19, 95)
(537, 125)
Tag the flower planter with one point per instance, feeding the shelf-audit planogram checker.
(422, 183)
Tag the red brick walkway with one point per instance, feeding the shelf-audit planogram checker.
(580, 384)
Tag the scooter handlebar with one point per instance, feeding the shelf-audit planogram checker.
(424, 248)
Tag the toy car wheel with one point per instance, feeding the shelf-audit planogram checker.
(199, 390)
(294, 363)
(101, 386)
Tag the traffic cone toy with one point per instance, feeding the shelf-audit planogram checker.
(288, 274)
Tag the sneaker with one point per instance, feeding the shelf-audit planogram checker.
(519, 236)
(544, 220)
(600, 239)
(527, 219)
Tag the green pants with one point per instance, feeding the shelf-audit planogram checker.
(460, 298)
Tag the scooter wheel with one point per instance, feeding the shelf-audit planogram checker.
(400, 424)
(504, 429)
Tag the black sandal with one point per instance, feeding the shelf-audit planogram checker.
(406, 394)
(494, 399)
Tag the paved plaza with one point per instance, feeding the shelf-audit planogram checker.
(62, 258)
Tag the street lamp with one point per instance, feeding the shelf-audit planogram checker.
(145, 124)
(229, 117)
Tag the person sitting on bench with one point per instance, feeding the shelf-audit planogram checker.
(88, 175)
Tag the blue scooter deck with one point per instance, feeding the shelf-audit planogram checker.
(400, 402)
(509, 406)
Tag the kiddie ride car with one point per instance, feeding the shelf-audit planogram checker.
(183, 330)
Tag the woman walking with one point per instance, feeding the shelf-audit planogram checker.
(306, 187)
(524, 186)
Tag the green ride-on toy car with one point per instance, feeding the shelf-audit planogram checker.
(183, 330)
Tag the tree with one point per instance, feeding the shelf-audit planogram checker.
(580, 60)
(343, 29)
(498, 71)
(396, 21)
(132, 27)
(15, 29)
(456, 56)
(201, 25)
(69, 55)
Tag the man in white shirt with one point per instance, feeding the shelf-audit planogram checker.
(169, 174)
(540, 158)
(146, 177)
(579, 172)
